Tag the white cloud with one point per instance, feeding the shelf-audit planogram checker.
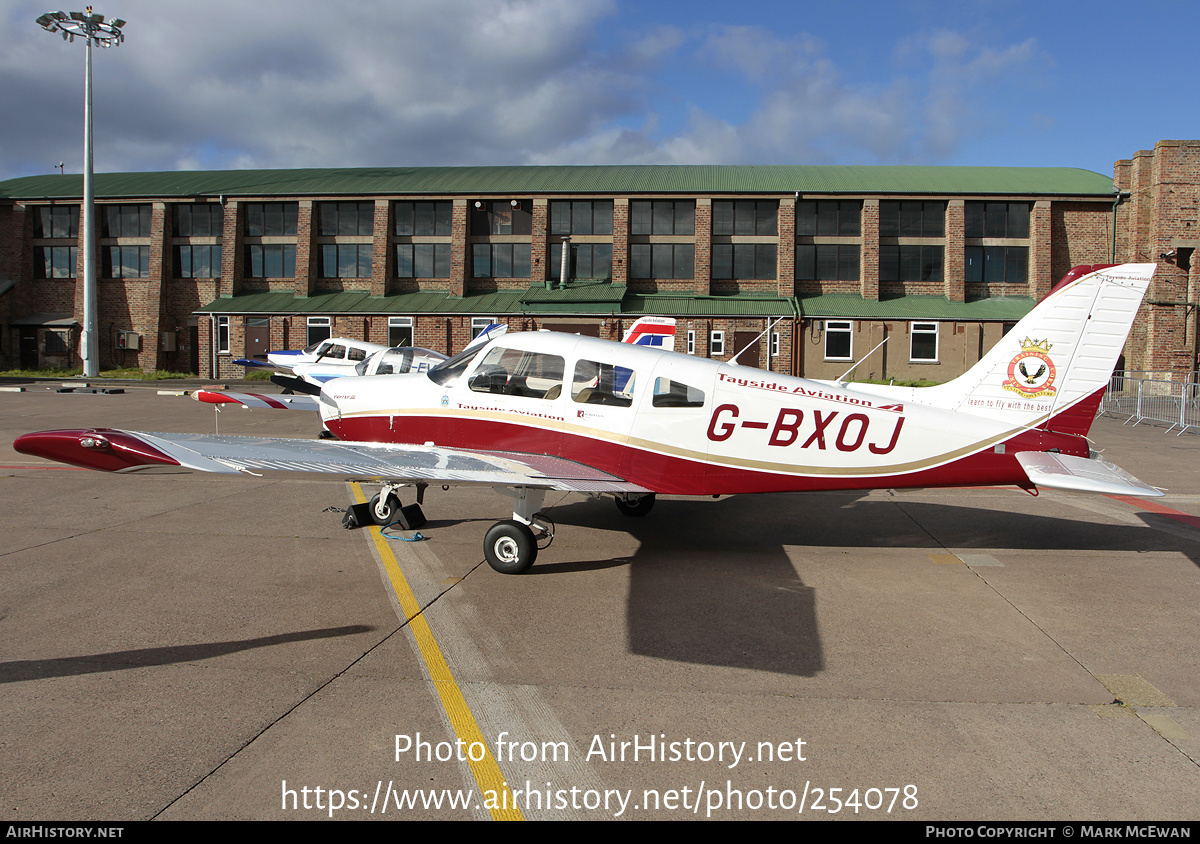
(376, 83)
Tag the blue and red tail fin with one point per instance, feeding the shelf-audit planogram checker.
(655, 331)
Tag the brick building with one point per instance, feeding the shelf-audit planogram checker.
(805, 268)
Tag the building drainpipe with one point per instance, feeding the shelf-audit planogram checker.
(1112, 251)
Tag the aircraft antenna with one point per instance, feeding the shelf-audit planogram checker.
(842, 380)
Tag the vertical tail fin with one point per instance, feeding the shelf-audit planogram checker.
(1051, 369)
(652, 331)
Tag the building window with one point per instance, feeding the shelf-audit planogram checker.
(55, 261)
(588, 260)
(400, 331)
(743, 260)
(125, 261)
(500, 260)
(200, 261)
(271, 260)
(996, 264)
(827, 262)
(839, 340)
(125, 221)
(691, 342)
(501, 217)
(320, 328)
(774, 344)
(346, 218)
(204, 219)
(422, 260)
(56, 342)
(480, 323)
(662, 260)
(716, 343)
(223, 335)
(423, 219)
(744, 217)
(912, 218)
(997, 219)
(271, 219)
(56, 221)
(346, 260)
(910, 263)
(923, 342)
(662, 216)
(581, 217)
(829, 218)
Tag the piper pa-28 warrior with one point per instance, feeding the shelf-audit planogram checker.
(538, 411)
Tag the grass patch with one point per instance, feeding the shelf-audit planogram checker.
(918, 383)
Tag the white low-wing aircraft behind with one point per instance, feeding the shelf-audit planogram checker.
(539, 411)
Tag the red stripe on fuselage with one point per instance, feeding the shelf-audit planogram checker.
(675, 475)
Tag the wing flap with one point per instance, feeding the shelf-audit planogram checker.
(1081, 474)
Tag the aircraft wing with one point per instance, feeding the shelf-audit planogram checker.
(277, 402)
(131, 451)
(1081, 474)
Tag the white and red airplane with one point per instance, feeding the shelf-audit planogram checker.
(658, 332)
(538, 411)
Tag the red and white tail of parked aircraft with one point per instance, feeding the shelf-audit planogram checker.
(538, 411)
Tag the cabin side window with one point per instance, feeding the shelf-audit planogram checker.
(668, 393)
(513, 372)
(602, 383)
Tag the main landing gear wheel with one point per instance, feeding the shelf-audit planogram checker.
(509, 547)
(640, 505)
(385, 510)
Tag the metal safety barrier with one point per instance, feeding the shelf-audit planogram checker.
(1173, 403)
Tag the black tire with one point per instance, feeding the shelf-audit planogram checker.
(386, 512)
(635, 506)
(509, 547)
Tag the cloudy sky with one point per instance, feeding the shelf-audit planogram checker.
(266, 83)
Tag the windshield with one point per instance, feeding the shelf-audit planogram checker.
(449, 369)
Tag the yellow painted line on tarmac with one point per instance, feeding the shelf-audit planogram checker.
(487, 772)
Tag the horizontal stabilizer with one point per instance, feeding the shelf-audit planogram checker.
(256, 400)
(1081, 474)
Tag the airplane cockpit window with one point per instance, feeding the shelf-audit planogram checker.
(318, 348)
(356, 354)
(451, 368)
(387, 362)
(331, 352)
(668, 393)
(513, 372)
(602, 383)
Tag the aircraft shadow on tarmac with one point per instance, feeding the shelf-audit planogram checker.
(711, 581)
(37, 669)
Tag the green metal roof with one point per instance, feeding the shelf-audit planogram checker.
(618, 179)
(610, 299)
(359, 302)
(578, 297)
(587, 299)
(851, 306)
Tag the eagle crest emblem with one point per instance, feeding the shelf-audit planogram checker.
(1031, 373)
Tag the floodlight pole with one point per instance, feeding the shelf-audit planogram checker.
(91, 27)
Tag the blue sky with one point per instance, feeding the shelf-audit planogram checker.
(448, 82)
